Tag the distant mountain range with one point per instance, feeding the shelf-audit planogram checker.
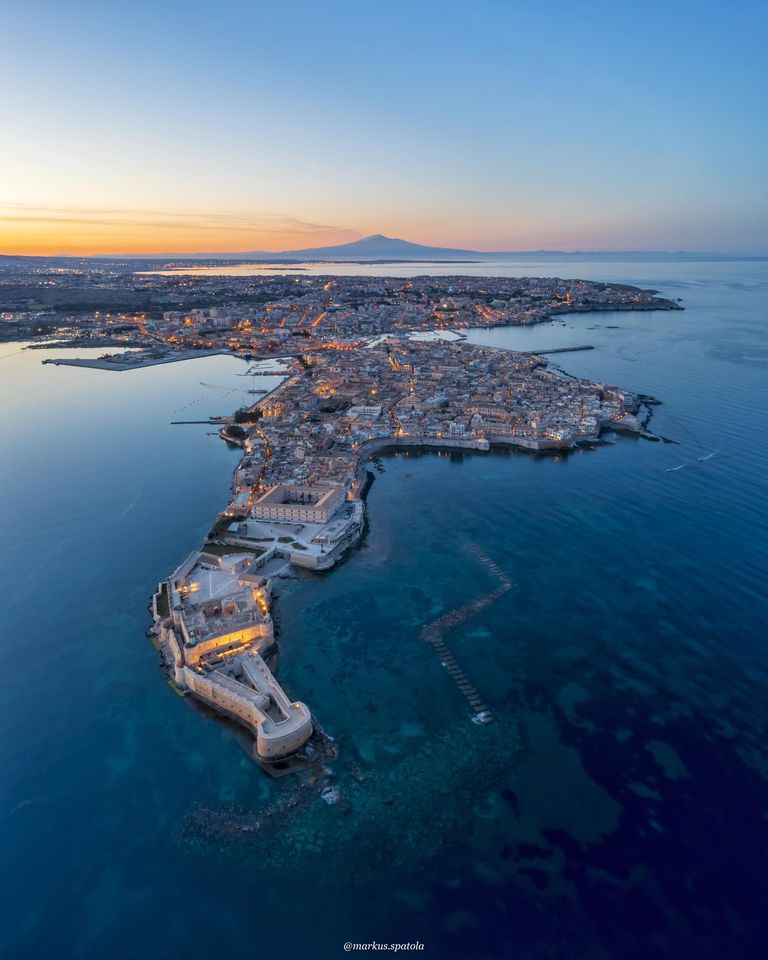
(380, 248)
(375, 247)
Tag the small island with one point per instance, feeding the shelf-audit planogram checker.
(298, 495)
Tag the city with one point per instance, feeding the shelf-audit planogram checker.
(382, 445)
(368, 364)
(297, 494)
(275, 314)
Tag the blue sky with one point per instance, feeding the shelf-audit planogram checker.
(236, 126)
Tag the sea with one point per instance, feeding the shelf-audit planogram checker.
(617, 805)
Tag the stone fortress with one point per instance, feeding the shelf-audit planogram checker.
(217, 626)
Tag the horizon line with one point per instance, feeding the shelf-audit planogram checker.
(285, 255)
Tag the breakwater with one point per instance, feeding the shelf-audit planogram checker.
(433, 632)
(134, 361)
(574, 349)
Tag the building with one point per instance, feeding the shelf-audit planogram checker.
(246, 690)
(364, 412)
(218, 626)
(299, 504)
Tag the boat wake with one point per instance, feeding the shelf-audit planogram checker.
(702, 459)
(133, 502)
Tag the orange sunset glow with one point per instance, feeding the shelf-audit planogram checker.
(40, 231)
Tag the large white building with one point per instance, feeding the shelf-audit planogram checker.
(218, 626)
(364, 412)
(299, 504)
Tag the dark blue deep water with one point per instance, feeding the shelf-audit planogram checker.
(618, 806)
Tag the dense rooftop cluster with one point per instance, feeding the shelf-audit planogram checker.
(272, 313)
(322, 419)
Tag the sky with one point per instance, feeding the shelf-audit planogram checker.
(149, 127)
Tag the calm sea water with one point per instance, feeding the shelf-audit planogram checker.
(618, 806)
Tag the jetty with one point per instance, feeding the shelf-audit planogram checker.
(433, 634)
(574, 349)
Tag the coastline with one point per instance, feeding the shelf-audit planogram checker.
(299, 490)
(594, 542)
(275, 557)
(134, 360)
(173, 345)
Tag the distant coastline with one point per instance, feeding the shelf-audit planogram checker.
(374, 363)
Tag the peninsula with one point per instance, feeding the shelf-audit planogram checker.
(367, 363)
(297, 494)
(102, 304)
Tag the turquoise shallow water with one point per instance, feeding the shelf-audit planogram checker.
(617, 806)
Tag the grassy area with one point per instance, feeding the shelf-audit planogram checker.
(227, 549)
(163, 607)
(285, 539)
(221, 526)
(298, 546)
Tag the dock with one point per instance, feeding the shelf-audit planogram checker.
(210, 423)
(433, 632)
(539, 353)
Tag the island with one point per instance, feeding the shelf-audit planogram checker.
(367, 364)
(298, 495)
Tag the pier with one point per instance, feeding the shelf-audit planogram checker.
(575, 349)
(433, 634)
